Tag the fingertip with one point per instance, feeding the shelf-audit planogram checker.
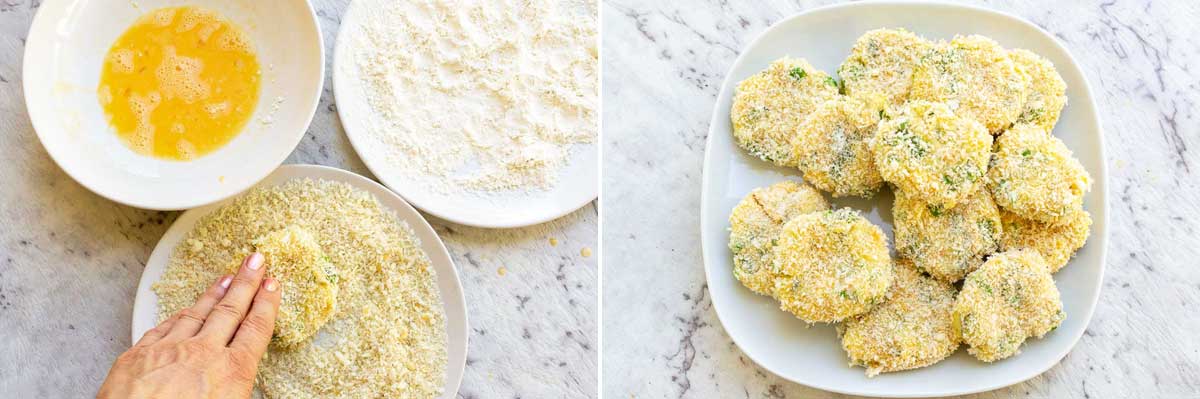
(271, 284)
(224, 282)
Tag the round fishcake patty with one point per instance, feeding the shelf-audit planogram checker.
(881, 63)
(975, 77)
(754, 226)
(833, 147)
(769, 106)
(1034, 175)
(831, 265)
(1056, 243)
(1048, 94)
(910, 330)
(1010, 298)
(932, 153)
(293, 256)
(946, 243)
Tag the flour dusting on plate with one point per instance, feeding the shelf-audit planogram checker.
(479, 96)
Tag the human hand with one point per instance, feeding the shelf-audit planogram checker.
(210, 350)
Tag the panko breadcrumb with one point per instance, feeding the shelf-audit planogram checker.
(1010, 298)
(974, 77)
(1056, 243)
(881, 63)
(754, 227)
(769, 106)
(293, 256)
(946, 243)
(910, 330)
(1034, 175)
(388, 336)
(932, 154)
(833, 146)
(831, 265)
(1048, 94)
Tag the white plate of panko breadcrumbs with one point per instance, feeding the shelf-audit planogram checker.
(904, 199)
(372, 305)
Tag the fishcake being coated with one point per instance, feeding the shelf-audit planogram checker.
(881, 63)
(1056, 243)
(946, 243)
(911, 330)
(975, 77)
(754, 226)
(1010, 298)
(831, 265)
(833, 147)
(293, 256)
(932, 154)
(769, 106)
(1048, 91)
(1034, 175)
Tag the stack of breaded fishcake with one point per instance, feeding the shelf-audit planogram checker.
(988, 203)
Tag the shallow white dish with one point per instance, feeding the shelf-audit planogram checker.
(577, 185)
(66, 48)
(781, 343)
(145, 306)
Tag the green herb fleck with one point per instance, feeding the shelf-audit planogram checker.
(935, 210)
(1026, 153)
(798, 73)
(829, 80)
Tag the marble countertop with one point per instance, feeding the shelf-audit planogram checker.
(70, 263)
(664, 64)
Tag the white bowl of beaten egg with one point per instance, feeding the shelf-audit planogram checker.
(168, 104)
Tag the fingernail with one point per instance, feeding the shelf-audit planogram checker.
(254, 261)
(225, 281)
(271, 285)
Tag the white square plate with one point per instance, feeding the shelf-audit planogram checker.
(783, 344)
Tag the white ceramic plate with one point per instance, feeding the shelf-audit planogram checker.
(813, 356)
(145, 306)
(66, 48)
(577, 185)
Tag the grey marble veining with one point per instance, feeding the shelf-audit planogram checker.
(70, 263)
(664, 63)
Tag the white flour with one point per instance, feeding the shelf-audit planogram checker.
(479, 96)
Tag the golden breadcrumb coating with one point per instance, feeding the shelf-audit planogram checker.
(946, 243)
(1010, 298)
(911, 330)
(769, 106)
(1034, 175)
(974, 77)
(833, 147)
(1048, 94)
(293, 256)
(881, 63)
(831, 265)
(1056, 243)
(932, 154)
(754, 226)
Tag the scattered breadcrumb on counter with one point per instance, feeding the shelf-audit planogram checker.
(585, 252)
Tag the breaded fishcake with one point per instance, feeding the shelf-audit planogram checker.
(946, 243)
(881, 63)
(754, 225)
(1010, 298)
(932, 154)
(831, 265)
(975, 77)
(293, 256)
(1048, 94)
(833, 147)
(1034, 175)
(911, 330)
(769, 106)
(1056, 243)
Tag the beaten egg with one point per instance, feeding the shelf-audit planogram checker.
(181, 82)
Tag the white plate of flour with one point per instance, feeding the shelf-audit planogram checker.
(484, 115)
(145, 307)
(813, 356)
